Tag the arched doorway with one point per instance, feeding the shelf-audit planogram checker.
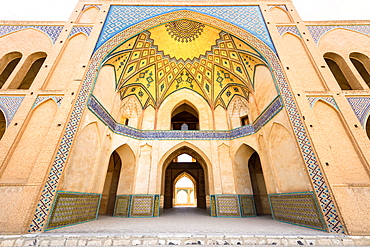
(258, 185)
(111, 185)
(185, 163)
(185, 117)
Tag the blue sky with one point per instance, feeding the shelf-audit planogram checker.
(309, 10)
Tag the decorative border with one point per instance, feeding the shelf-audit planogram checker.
(330, 100)
(227, 206)
(361, 108)
(72, 208)
(288, 29)
(317, 31)
(321, 189)
(273, 109)
(52, 31)
(248, 18)
(41, 99)
(9, 106)
(80, 29)
(298, 208)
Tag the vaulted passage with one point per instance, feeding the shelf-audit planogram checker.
(185, 169)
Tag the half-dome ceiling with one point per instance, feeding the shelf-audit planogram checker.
(184, 54)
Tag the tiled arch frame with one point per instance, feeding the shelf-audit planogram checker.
(321, 189)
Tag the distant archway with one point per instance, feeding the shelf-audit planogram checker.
(185, 190)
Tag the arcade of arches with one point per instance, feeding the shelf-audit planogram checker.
(135, 109)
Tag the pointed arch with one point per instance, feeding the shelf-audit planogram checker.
(280, 15)
(287, 161)
(196, 153)
(8, 63)
(30, 143)
(60, 78)
(81, 165)
(88, 15)
(362, 65)
(341, 72)
(28, 72)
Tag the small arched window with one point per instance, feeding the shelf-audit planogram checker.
(338, 74)
(2, 124)
(185, 117)
(7, 66)
(31, 74)
(360, 61)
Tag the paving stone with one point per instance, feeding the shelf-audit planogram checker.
(108, 242)
(30, 242)
(119, 242)
(57, 242)
(173, 242)
(71, 242)
(18, 242)
(6, 243)
(324, 241)
(150, 241)
(45, 242)
(94, 243)
(82, 242)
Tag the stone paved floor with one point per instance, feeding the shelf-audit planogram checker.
(183, 227)
(189, 220)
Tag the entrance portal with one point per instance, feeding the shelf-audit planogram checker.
(184, 183)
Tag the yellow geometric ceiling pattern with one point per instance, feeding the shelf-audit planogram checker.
(184, 55)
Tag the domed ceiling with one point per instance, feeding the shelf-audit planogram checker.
(184, 54)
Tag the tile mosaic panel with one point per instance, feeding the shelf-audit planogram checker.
(321, 189)
(247, 207)
(41, 99)
(213, 206)
(288, 29)
(247, 17)
(318, 31)
(9, 106)
(118, 128)
(330, 100)
(72, 208)
(227, 206)
(157, 209)
(361, 107)
(297, 208)
(81, 29)
(52, 31)
(142, 206)
(122, 206)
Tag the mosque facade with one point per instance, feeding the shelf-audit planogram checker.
(95, 113)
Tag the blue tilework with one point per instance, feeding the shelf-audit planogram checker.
(81, 29)
(91, 5)
(288, 29)
(41, 99)
(9, 106)
(330, 100)
(321, 190)
(247, 17)
(107, 119)
(318, 31)
(52, 31)
(361, 107)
